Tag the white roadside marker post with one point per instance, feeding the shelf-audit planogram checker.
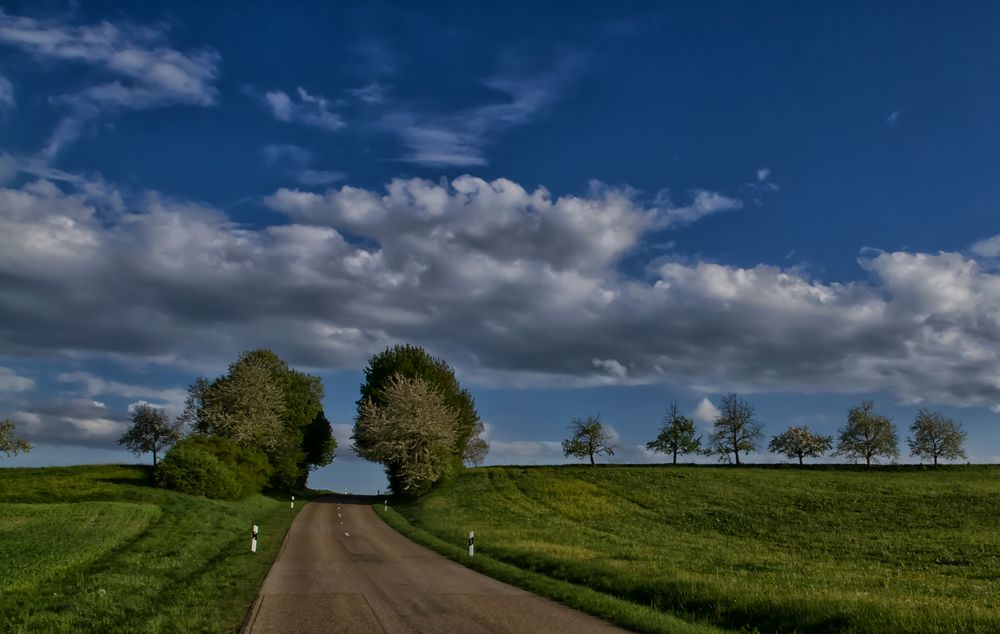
(387, 505)
(293, 503)
(472, 545)
(253, 540)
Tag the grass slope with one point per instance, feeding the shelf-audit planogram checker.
(97, 549)
(773, 549)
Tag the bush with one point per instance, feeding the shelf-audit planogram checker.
(213, 467)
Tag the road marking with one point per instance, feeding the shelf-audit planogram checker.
(347, 534)
(338, 515)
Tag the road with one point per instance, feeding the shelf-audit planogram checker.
(342, 569)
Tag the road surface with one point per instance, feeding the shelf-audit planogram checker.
(343, 569)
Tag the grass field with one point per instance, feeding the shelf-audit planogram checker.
(772, 549)
(97, 549)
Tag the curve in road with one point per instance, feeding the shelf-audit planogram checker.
(342, 569)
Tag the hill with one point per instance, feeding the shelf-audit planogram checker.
(825, 549)
(98, 549)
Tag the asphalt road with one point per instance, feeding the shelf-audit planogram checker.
(344, 570)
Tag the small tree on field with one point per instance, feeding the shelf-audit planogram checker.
(412, 433)
(476, 448)
(676, 435)
(735, 428)
(588, 439)
(8, 443)
(150, 430)
(800, 442)
(936, 436)
(867, 435)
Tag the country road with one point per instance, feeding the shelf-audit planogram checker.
(344, 570)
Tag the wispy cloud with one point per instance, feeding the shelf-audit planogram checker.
(11, 381)
(7, 101)
(319, 177)
(304, 108)
(893, 119)
(458, 138)
(372, 93)
(144, 70)
(298, 161)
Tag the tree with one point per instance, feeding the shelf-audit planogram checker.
(8, 443)
(263, 402)
(676, 435)
(412, 362)
(936, 436)
(800, 442)
(735, 428)
(588, 439)
(411, 431)
(477, 448)
(150, 431)
(867, 435)
(245, 405)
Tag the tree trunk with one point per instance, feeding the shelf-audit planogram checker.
(737, 452)
(591, 458)
(868, 462)
(675, 456)
(935, 460)
(800, 460)
(154, 456)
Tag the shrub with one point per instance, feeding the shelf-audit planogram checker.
(213, 467)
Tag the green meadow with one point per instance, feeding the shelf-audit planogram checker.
(99, 549)
(770, 549)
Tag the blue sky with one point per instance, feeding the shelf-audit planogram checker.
(583, 208)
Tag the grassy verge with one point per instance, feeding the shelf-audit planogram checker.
(599, 604)
(97, 548)
(783, 550)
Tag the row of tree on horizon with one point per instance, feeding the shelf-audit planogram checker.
(866, 436)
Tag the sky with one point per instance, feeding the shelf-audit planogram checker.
(584, 208)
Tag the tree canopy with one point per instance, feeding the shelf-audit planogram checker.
(735, 429)
(800, 442)
(411, 431)
(677, 435)
(936, 436)
(10, 444)
(150, 430)
(263, 403)
(413, 362)
(867, 435)
(588, 439)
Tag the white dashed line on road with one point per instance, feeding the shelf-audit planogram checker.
(347, 534)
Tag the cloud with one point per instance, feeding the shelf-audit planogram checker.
(143, 71)
(988, 248)
(512, 286)
(371, 93)
(458, 138)
(10, 381)
(295, 154)
(319, 177)
(303, 108)
(893, 119)
(91, 385)
(763, 174)
(705, 203)
(706, 412)
(82, 422)
(7, 100)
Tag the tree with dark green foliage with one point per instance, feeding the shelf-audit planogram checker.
(214, 467)
(867, 435)
(413, 362)
(735, 428)
(150, 430)
(263, 403)
(588, 439)
(676, 435)
(800, 442)
(936, 436)
(9, 444)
